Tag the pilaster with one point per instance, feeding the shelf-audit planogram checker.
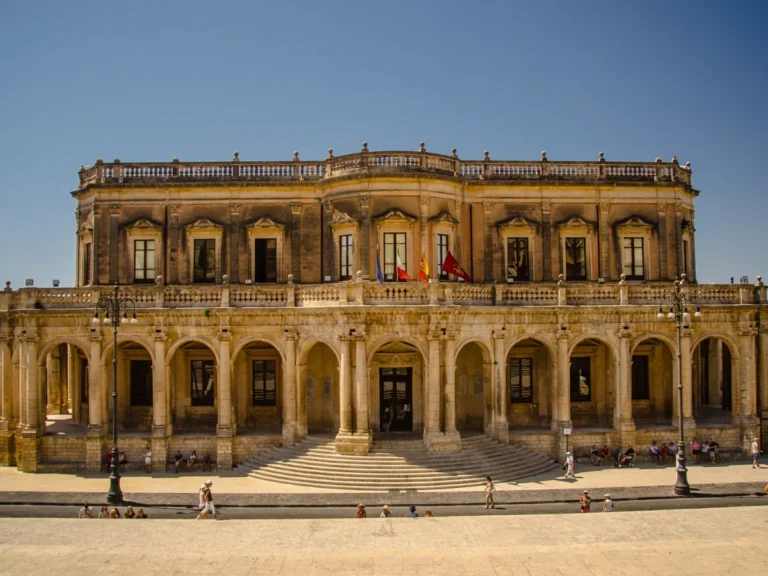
(234, 243)
(488, 240)
(224, 429)
(362, 404)
(501, 401)
(685, 351)
(546, 238)
(663, 241)
(623, 400)
(290, 429)
(365, 228)
(296, 241)
(114, 248)
(763, 367)
(748, 405)
(173, 243)
(7, 424)
(605, 241)
(562, 419)
(160, 424)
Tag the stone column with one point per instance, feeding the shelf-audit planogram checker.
(679, 240)
(345, 387)
(623, 400)
(563, 383)
(32, 385)
(93, 440)
(763, 375)
(53, 381)
(605, 243)
(747, 380)
(301, 399)
(95, 243)
(296, 241)
(546, 239)
(328, 247)
(362, 415)
(714, 362)
(500, 392)
(424, 226)
(224, 440)
(663, 247)
(687, 361)
(173, 244)
(73, 382)
(488, 237)
(365, 226)
(289, 388)
(159, 441)
(432, 408)
(7, 444)
(450, 383)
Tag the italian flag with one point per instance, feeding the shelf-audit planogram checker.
(401, 273)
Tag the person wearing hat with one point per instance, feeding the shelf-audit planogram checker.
(361, 513)
(208, 499)
(585, 501)
(608, 504)
(385, 513)
(569, 466)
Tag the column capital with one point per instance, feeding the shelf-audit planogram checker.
(234, 208)
(224, 336)
(546, 206)
(605, 205)
(364, 200)
(686, 332)
(449, 335)
(434, 335)
(295, 208)
(499, 334)
(345, 337)
(624, 333)
(747, 331)
(94, 336)
(160, 337)
(488, 205)
(359, 336)
(291, 335)
(563, 334)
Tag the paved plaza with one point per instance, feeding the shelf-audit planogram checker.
(631, 543)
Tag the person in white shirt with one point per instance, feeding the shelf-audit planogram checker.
(569, 466)
(755, 453)
(385, 513)
(85, 511)
(608, 504)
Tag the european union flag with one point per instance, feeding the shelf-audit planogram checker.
(379, 275)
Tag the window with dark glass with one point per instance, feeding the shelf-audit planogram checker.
(345, 257)
(517, 259)
(521, 380)
(576, 258)
(264, 383)
(581, 381)
(87, 264)
(84, 380)
(141, 383)
(265, 270)
(442, 253)
(633, 258)
(394, 249)
(203, 382)
(205, 261)
(144, 260)
(640, 382)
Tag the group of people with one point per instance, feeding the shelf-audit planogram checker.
(387, 513)
(585, 503)
(178, 460)
(122, 461)
(205, 503)
(709, 450)
(87, 512)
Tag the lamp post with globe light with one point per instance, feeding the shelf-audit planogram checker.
(678, 301)
(116, 311)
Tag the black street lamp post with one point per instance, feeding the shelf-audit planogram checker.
(678, 301)
(116, 310)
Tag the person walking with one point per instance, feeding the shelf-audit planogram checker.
(201, 497)
(569, 463)
(210, 507)
(608, 504)
(756, 453)
(489, 490)
(85, 511)
(585, 501)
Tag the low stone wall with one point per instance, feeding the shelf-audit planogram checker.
(62, 449)
(544, 442)
(246, 447)
(201, 444)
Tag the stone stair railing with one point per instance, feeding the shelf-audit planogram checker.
(360, 292)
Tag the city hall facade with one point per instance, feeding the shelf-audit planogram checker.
(269, 307)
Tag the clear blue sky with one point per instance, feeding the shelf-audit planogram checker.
(147, 81)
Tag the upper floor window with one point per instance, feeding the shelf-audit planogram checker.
(633, 258)
(395, 254)
(517, 259)
(203, 382)
(87, 264)
(442, 253)
(345, 257)
(265, 251)
(143, 260)
(576, 258)
(581, 382)
(521, 380)
(264, 383)
(205, 261)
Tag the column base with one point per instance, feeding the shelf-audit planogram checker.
(689, 423)
(224, 452)
(94, 451)
(501, 432)
(627, 426)
(443, 441)
(7, 446)
(28, 451)
(290, 434)
(349, 443)
(158, 443)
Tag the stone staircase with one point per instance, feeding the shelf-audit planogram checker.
(395, 465)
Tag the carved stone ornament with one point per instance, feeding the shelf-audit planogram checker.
(203, 223)
(517, 222)
(444, 218)
(144, 224)
(575, 222)
(265, 222)
(395, 215)
(342, 218)
(634, 222)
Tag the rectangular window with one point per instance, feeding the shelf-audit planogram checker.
(87, 264)
(581, 382)
(264, 383)
(203, 382)
(141, 383)
(575, 258)
(205, 261)
(521, 380)
(640, 383)
(345, 257)
(685, 257)
(442, 253)
(517, 259)
(633, 252)
(265, 251)
(84, 381)
(144, 261)
(394, 246)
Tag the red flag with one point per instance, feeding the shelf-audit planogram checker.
(423, 269)
(452, 267)
(401, 272)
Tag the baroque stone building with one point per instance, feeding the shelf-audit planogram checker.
(261, 319)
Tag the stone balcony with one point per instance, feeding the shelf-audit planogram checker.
(390, 163)
(363, 293)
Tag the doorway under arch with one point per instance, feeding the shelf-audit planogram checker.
(474, 400)
(714, 373)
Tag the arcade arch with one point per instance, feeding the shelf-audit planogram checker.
(474, 397)
(531, 383)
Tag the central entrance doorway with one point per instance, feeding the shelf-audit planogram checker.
(396, 392)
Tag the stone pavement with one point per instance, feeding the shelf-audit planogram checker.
(658, 543)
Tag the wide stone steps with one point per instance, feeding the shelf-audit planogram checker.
(395, 465)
